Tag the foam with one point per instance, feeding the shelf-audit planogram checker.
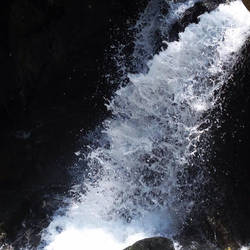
(132, 190)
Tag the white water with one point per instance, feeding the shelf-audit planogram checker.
(132, 188)
(153, 21)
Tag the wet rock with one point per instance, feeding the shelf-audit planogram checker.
(191, 16)
(224, 238)
(231, 155)
(156, 243)
(247, 4)
(221, 218)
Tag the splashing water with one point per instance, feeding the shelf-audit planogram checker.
(152, 24)
(132, 189)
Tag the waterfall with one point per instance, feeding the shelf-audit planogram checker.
(131, 188)
(152, 24)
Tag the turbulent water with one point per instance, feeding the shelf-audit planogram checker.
(153, 25)
(132, 188)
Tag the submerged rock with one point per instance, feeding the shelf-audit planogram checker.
(156, 243)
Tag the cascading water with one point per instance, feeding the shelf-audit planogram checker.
(152, 24)
(132, 189)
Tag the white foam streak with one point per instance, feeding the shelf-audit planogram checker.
(245, 248)
(133, 190)
(151, 24)
(91, 239)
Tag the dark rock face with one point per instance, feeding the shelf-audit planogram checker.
(247, 4)
(157, 243)
(224, 211)
(231, 151)
(157, 35)
(190, 16)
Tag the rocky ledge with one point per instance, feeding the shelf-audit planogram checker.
(156, 243)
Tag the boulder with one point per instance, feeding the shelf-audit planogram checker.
(247, 3)
(156, 243)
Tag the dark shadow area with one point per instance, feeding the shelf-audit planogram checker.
(223, 211)
(53, 57)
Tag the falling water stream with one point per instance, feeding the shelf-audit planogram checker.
(131, 188)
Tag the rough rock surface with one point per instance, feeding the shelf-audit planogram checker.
(231, 152)
(156, 243)
(223, 217)
(247, 4)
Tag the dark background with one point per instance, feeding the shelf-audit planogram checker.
(53, 58)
